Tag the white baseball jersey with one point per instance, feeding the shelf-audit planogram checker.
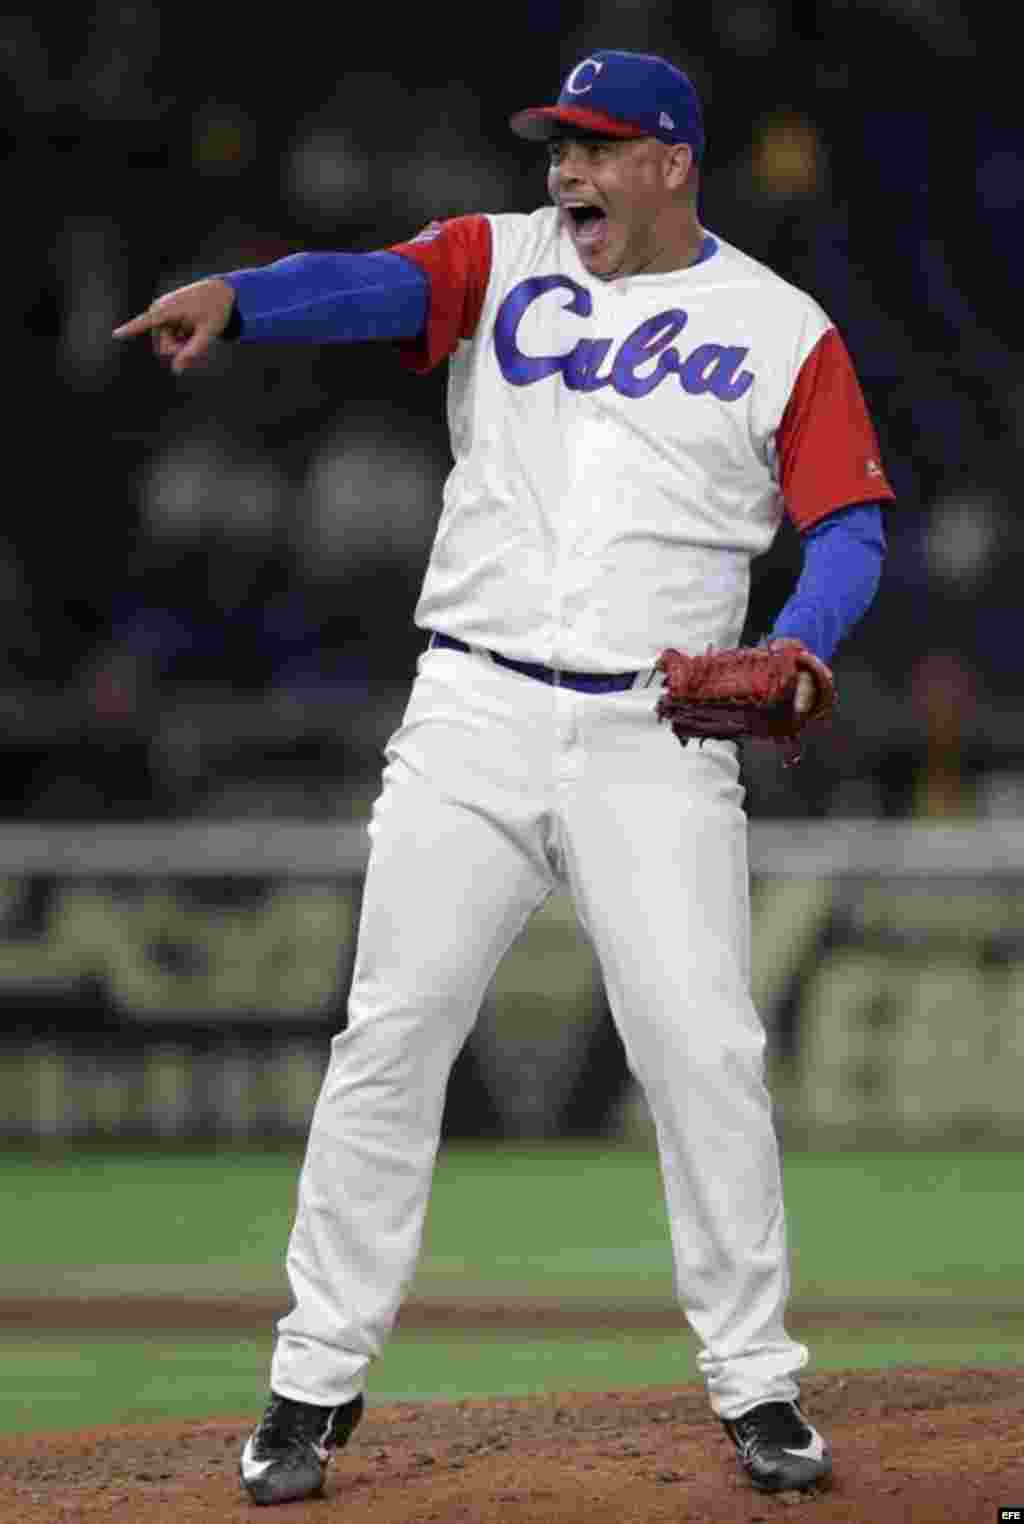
(622, 449)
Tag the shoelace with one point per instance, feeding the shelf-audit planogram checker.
(773, 1423)
(288, 1423)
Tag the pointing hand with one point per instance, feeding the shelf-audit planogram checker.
(184, 323)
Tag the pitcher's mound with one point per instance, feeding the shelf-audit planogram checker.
(915, 1446)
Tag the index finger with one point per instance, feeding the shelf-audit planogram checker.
(141, 324)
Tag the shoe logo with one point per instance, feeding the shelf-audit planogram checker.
(252, 1469)
(814, 1451)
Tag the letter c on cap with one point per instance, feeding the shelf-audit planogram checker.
(588, 63)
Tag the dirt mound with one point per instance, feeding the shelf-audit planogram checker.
(911, 1445)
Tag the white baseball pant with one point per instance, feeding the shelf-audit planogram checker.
(499, 788)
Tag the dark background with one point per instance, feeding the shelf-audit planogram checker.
(208, 583)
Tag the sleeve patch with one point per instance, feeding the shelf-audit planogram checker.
(430, 232)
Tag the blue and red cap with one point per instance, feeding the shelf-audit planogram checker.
(620, 95)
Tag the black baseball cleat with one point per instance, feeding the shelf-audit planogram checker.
(285, 1457)
(778, 1449)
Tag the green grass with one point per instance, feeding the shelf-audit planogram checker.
(916, 1224)
(71, 1382)
(861, 1224)
(421, 1366)
(527, 1220)
(228, 1211)
(58, 1383)
(555, 1220)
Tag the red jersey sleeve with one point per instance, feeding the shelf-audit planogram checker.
(826, 444)
(456, 258)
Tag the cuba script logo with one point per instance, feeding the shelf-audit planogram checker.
(590, 364)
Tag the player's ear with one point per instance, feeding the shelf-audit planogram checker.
(677, 164)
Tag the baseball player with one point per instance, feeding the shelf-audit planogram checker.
(634, 404)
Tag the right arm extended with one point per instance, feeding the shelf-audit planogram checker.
(430, 290)
(316, 298)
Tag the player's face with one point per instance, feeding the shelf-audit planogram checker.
(614, 195)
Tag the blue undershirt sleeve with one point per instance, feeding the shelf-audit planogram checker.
(842, 567)
(329, 299)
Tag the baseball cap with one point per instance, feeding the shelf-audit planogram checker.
(620, 95)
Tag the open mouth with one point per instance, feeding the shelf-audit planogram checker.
(588, 226)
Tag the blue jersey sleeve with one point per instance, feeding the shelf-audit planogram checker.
(842, 568)
(329, 299)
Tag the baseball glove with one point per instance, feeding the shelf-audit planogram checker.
(744, 693)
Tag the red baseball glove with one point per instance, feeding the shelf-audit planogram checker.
(748, 692)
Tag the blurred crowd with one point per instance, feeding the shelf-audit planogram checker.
(209, 583)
